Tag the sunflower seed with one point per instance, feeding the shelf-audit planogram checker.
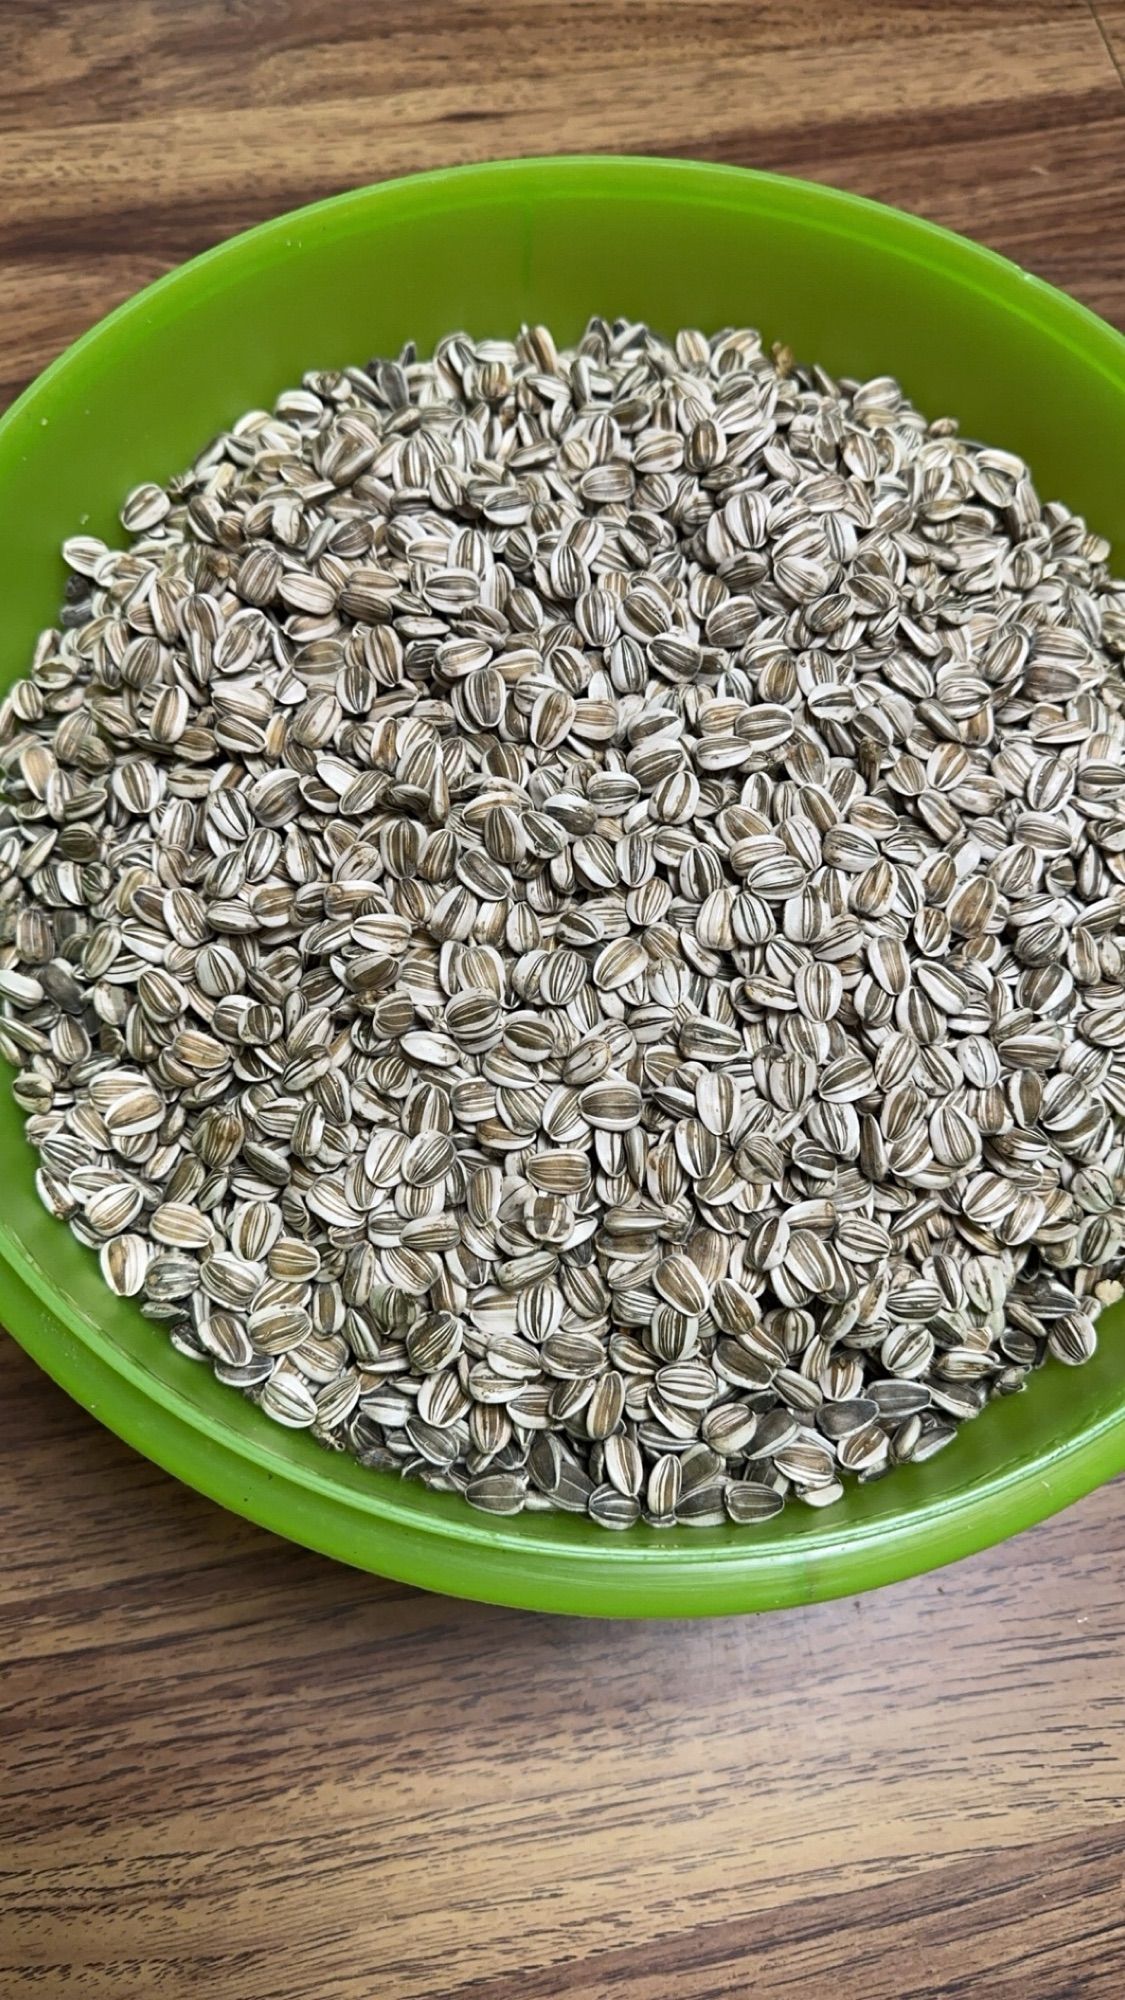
(749, 1501)
(570, 949)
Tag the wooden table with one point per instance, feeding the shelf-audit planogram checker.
(233, 1770)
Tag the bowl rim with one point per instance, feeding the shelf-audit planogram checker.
(449, 1547)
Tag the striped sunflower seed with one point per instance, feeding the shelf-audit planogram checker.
(569, 949)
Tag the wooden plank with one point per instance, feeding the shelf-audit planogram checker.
(231, 1763)
(147, 132)
(1110, 18)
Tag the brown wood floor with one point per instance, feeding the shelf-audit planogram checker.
(228, 1768)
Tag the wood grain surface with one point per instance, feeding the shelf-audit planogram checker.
(229, 1768)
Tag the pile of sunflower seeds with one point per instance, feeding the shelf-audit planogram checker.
(561, 921)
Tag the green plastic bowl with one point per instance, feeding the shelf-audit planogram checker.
(855, 286)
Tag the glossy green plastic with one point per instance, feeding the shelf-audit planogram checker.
(859, 288)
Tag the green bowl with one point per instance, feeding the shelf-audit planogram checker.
(857, 287)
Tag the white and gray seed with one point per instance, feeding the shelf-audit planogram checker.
(561, 921)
